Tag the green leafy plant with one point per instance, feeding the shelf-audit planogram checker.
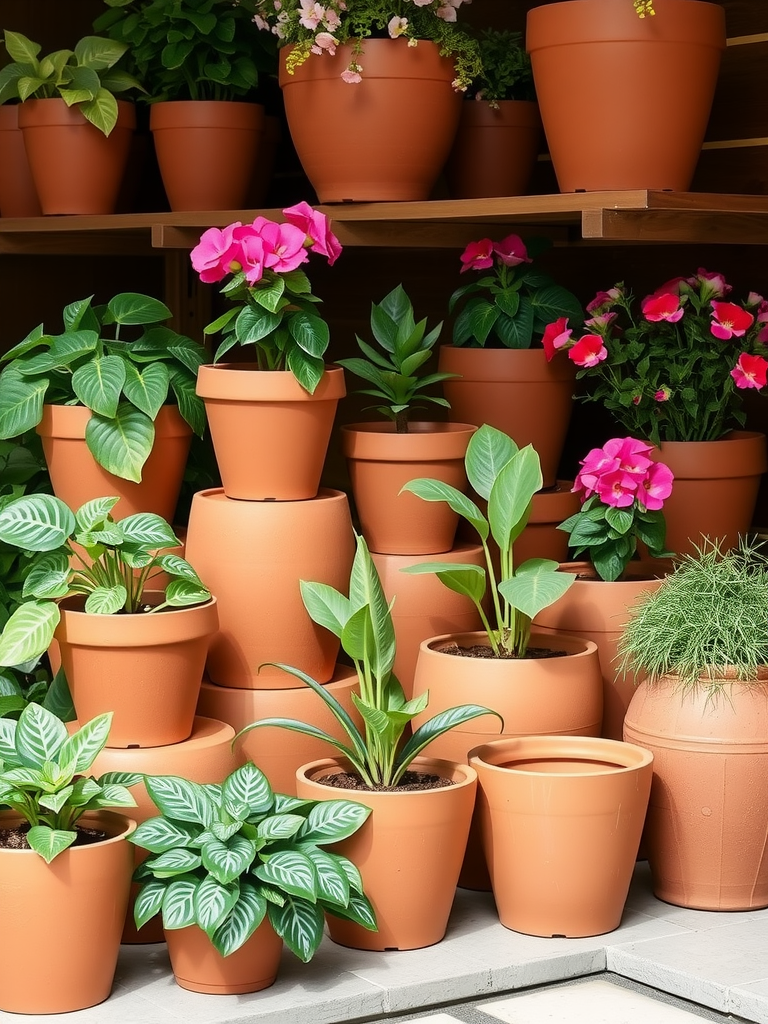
(506, 68)
(228, 856)
(123, 382)
(363, 623)
(392, 369)
(122, 560)
(43, 776)
(507, 477)
(85, 77)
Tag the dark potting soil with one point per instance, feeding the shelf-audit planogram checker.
(16, 838)
(486, 651)
(410, 781)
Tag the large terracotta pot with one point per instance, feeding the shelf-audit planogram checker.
(392, 132)
(595, 61)
(495, 150)
(707, 828)
(252, 555)
(409, 852)
(561, 819)
(381, 462)
(18, 197)
(67, 915)
(541, 537)
(269, 434)
(198, 965)
(515, 390)
(207, 151)
(75, 167)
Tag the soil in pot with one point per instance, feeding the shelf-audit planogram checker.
(410, 782)
(16, 838)
(486, 651)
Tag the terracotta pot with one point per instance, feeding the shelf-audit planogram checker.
(715, 488)
(595, 60)
(67, 915)
(198, 965)
(207, 151)
(146, 668)
(541, 537)
(392, 131)
(381, 462)
(76, 477)
(75, 167)
(561, 820)
(18, 197)
(279, 752)
(269, 434)
(205, 757)
(495, 150)
(252, 555)
(408, 852)
(707, 827)
(515, 390)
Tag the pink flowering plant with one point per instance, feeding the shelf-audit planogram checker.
(275, 312)
(677, 368)
(622, 492)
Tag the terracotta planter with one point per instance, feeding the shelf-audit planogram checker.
(381, 462)
(715, 488)
(146, 668)
(68, 915)
(75, 167)
(207, 151)
(269, 434)
(561, 819)
(198, 965)
(252, 555)
(76, 477)
(18, 196)
(408, 852)
(707, 828)
(595, 60)
(495, 150)
(515, 390)
(541, 537)
(392, 131)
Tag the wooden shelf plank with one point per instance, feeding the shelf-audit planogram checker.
(694, 226)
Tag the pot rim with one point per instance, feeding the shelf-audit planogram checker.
(118, 827)
(466, 771)
(621, 757)
(588, 648)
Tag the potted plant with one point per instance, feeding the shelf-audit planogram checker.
(116, 413)
(700, 646)
(425, 803)
(65, 868)
(124, 647)
(674, 373)
(76, 133)
(236, 870)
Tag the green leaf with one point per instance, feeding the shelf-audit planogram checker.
(8, 742)
(291, 872)
(94, 513)
(253, 325)
(249, 786)
(621, 519)
(36, 522)
(49, 842)
(106, 600)
(476, 321)
(226, 861)
(98, 384)
(436, 490)
(536, 585)
(121, 444)
(148, 530)
(279, 826)
(48, 576)
(243, 920)
(366, 592)
(133, 308)
(159, 834)
(309, 332)
(509, 504)
(147, 389)
(213, 901)
(326, 606)
(300, 926)
(330, 821)
(21, 405)
(332, 881)
(101, 111)
(86, 744)
(149, 901)
(488, 451)
(174, 862)
(20, 49)
(28, 632)
(178, 906)
(181, 799)
(437, 726)
(183, 593)
(359, 910)
(467, 580)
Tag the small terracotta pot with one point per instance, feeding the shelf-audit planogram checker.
(18, 196)
(269, 434)
(198, 965)
(561, 820)
(495, 150)
(408, 852)
(381, 462)
(541, 537)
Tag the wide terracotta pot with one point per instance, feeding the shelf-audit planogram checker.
(707, 829)
(146, 668)
(381, 462)
(409, 852)
(715, 488)
(252, 555)
(18, 196)
(67, 915)
(207, 151)
(514, 390)
(269, 434)
(76, 477)
(392, 131)
(561, 819)
(596, 61)
(541, 537)
(75, 167)
(495, 150)
(198, 965)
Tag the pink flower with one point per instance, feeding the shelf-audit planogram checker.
(325, 41)
(447, 12)
(478, 255)
(711, 285)
(352, 74)
(397, 27)
(422, 3)
(750, 371)
(589, 351)
(214, 253)
(311, 14)
(603, 301)
(252, 257)
(555, 336)
(616, 489)
(600, 322)
(671, 287)
(511, 251)
(317, 228)
(664, 306)
(730, 320)
(653, 491)
(662, 395)
(631, 454)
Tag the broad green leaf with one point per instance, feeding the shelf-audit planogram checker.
(48, 577)
(488, 451)
(174, 862)
(112, 796)
(243, 920)
(330, 821)
(250, 786)
(308, 370)
(20, 49)
(149, 901)
(36, 522)
(509, 504)
(226, 861)
(39, 736)
(28, 632)
(98, 384)
(553, 302)
(366, 592)
(309, 332)
(437, 726)
(279, 826)
(181, 799)
(8, 742)
(468, 580)
(83, 746)
(175, 565)
(300, 926)
(436, 490)
(190, 405)
(213, 901)
(147, 389)
(121, 444)
(178, 906)
(159, 834)
(290, 871)
(101, 111)
(132, 308)
(21, 405)
(106, 600)
(621, 519)
(84, 790)
(326, 606)
(55, 801)
(94, 513)
(332, 882)
(182, 593)
(476, 321)
(252, 325)
(149, 530)
(359, 910)
(49, 842)
(535, 585)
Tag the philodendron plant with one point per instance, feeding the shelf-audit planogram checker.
(122, 560)
(123, 382)
(226, 856)
(507, 477)
(363, 623)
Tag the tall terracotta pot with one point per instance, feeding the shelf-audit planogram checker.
(18, 196)
(495, 150)
(269, 434)
(595, 61)
(199, 967)
(707, 828)
(409, 852)
(392, 131)
(207, 151)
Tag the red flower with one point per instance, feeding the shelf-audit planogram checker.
(555, 336)
(478, 255)
(750, 371)
(511, 250)
(664, 306)
(589, 351)
(730, 320)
